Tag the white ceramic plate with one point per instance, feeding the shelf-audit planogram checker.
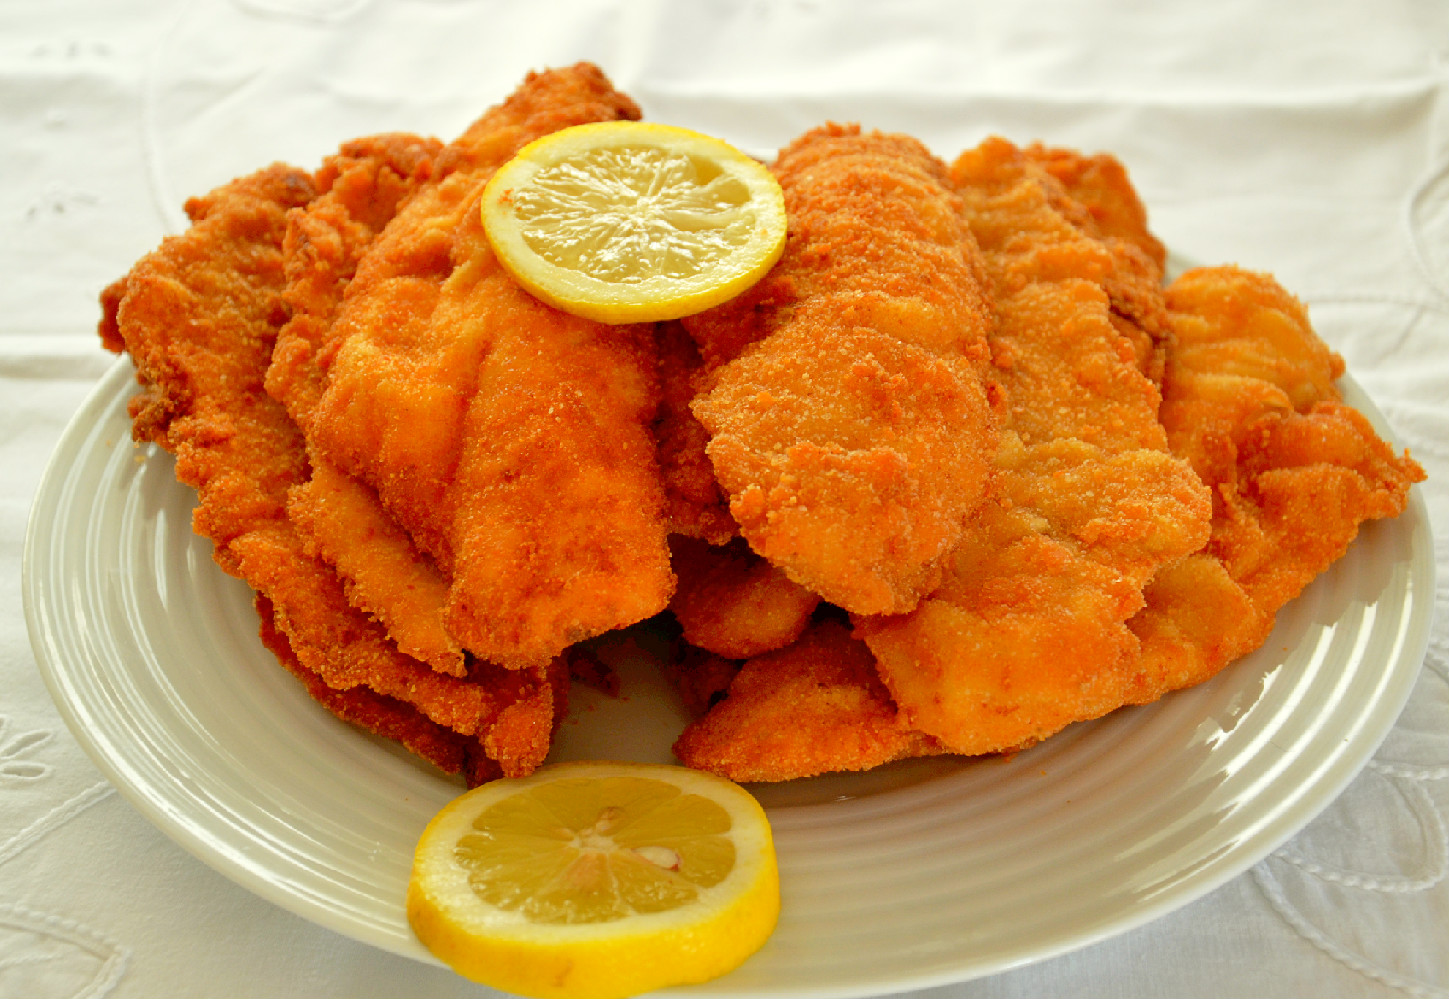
(913, 875)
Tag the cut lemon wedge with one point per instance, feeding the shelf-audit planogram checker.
(626, 221)
(596, 880)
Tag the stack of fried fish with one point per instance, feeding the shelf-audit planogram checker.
(961, 470)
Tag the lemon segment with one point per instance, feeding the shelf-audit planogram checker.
(596, 880)
(625, 221)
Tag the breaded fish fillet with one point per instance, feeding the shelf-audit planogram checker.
(359, 191)
(341, 521)
(1028, 631)
(1101, 201)
(1100, 188)
(339, 518)
(508, 439)
(813, 707)
(695, 505)
(379, 714)
(848, 420)
(199, 316)
(1250, 399)
(733, 603)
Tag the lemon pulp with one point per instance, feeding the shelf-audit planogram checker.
(634, 222)
(632, 213)
(582, 851)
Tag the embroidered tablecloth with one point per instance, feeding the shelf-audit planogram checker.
(1308, 140)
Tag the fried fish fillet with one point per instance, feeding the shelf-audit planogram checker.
(341, 521)
(1107, 204)
(848, 420)
(1029, 626)
(379, 714)
(509, 440)
(1250, 399)
(339, 518)
(1028, 631)
(695, 505)
(733, 603)
(359, 191)
(199, 316)
(813, 707)
(1101, 201)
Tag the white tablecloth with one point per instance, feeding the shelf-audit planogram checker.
(1311, 140)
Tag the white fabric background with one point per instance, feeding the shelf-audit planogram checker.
(1311, 140)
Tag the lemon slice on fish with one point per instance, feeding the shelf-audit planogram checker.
(625, 221)
(596, 880)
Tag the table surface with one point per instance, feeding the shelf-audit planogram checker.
(1311, 142)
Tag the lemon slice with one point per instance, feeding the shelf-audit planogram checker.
(596, 880)
(626, 221)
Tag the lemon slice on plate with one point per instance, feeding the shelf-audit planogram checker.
(596, 880)
(626, 221)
